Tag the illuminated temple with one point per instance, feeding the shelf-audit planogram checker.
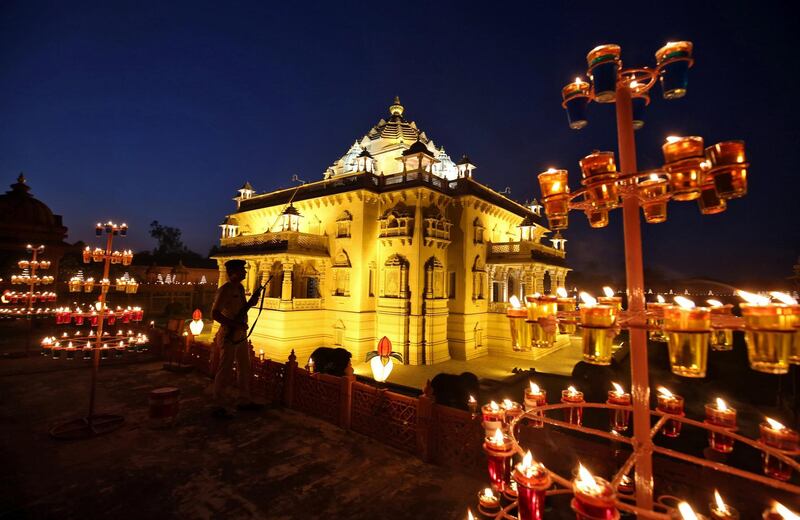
(395, 240)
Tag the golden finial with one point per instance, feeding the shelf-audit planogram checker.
(396, 109)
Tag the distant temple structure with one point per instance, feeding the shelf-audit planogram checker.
(27, 220)
(396, 240)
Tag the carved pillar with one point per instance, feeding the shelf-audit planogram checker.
(323, 267)
(553, 281)
(404, 281)
(223, 275)
(286, 287)
(538, 279)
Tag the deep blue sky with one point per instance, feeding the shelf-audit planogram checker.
(160, 110)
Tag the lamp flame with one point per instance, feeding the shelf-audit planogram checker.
(673, 138)
(654, 177)
(472, 399)
(572, 390)
(561, 292)
(534, 387)
(588, 300)
(784, 511)
(514, 301)
(586, 480)
(752, 299)
(660, 299)
(507, 404)
(775, 425)
(687, 513)
(497, 438)
(783, 298)
(664, 392)
(722, 406)
(685, 303)
(556, 186)
(527, 460)
(618, 388)
(578, 80)
(469, 515)
(493, 406)
(721, 505)
(488, 493)
(608, 291)
(551, 170)
(714, 303)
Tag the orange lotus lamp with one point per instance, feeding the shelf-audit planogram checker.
(380, 360)
(196, 325)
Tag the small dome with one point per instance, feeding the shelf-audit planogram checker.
(291, 210)
(23, 215)
(418, 147)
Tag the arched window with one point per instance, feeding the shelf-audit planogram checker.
(434, 278)
(395, 277)
(343, 224)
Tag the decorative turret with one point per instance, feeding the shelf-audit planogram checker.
(559, 242)
(465, 167)
(290, 219)
(396, 109)
(365, 162)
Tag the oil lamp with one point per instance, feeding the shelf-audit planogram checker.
(512, 411)
(520, 339)
(619, 418)
(599, 177)
(684, 158)
(542, 329)
(533, 480)
(710, 202)
(604, 63)
(769, 332)
(493, 417)
(779, 511)
(639, 100)
(688, 329)
(594, 498)
(488, 502)
(498, 449)
(555, 197)
(673, 61)
(728, 168)
(597, 322)
(653, 197)
(794, 350)
(720, 510)
(535, 397)
(573, 414)
(720, 414)
(672, 404)
(655, 319)
(566, 304)
(196, 325)
(687, 513)
(598, 218)
(575, 98)
(721, 338)
(776, 435)
(472, 403)
(597, 164)
(610, 299)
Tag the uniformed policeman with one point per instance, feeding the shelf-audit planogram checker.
(230, 311)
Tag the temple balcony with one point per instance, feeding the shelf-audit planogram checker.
(524, 252)
(293, 242)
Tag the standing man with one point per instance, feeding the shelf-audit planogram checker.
(230, 311)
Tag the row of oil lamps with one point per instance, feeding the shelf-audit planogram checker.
(32, 296)
(69, 346)
(18, 312)
(126, 285)
(66, 315)
(711, 175)
(31, 279)
(604, 64)
(771, 328)
(124, 257)
(595, 497)
(33, 264)
(111, 228)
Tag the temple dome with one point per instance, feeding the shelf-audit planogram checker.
(19, 208)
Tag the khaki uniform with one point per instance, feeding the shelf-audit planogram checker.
(232, 344)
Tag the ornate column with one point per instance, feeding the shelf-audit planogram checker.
(223, 275)
(538, 278)
(553, 281)
(286, 287)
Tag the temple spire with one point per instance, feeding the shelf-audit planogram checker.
(396, 109)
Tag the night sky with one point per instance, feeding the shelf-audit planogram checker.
(159, 110)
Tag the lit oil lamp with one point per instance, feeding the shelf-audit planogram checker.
(688, 329)
(533, 480)
(594, 498)
(687, 513)
(720, 510)
(655, 319)
(769, 332)
(674, 60)
(598, 218)
(555, 197)
(498, 449)
(567, 305)
(597, 163)
(710, 202)
(653, 197)
(728, 168)
(573, 414)
(721, 338)
(619, 418)
(683, 160)
(672, 404)
(610, 299)
(493, 417)
(520, 339)
(779, 511)
(535, 397)
(512, 411)
(601, 188)
(776, 435)
(794, 350)
(720, 414)
(625, 486)
(640, 100)
(511, 490)
(597, 323)
(603, 65)
(575, 98)
(488, 502)
(472, 403)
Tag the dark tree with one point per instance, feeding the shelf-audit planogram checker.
(169, 239)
